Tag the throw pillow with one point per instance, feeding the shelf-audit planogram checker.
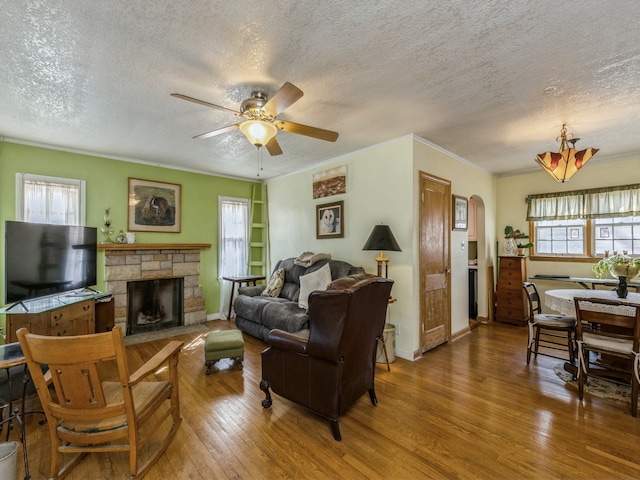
(276, 282)
(317, 280)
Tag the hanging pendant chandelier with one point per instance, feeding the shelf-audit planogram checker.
(565, 164)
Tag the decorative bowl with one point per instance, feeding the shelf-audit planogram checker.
(628, 270)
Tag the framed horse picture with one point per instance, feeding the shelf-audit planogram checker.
(154, 206)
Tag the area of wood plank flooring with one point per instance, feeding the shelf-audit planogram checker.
(469, 409)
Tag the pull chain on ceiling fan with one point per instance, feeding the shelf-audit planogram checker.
(260, 124)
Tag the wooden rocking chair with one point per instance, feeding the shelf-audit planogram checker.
(88, 414)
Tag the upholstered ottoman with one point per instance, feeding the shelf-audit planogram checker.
(223, 344)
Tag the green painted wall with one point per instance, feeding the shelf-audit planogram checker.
(107, 186)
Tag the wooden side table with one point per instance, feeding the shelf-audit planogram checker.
(240, 280)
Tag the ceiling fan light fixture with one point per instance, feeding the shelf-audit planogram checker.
(565, 164)
(258, 132)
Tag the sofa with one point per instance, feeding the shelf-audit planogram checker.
(257, 313)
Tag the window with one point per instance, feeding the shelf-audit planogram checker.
(43, 199)
(617, 235)
(233, 244)
(560, 237)
(573, 237)
(585, 223)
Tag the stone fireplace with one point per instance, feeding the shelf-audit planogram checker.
(131, 263)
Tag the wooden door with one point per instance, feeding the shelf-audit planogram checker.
(435, 263)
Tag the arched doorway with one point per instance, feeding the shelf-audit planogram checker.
(478, 301)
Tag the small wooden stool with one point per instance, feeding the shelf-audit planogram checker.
(223, 344)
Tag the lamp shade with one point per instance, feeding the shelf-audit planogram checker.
(381, 238)
(564, 165)
(258, 132)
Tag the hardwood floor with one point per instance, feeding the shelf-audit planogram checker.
(470, 409)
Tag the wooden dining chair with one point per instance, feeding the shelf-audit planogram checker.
(611, 330)
(552, 332)
(86, 413)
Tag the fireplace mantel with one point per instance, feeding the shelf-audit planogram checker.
(153, 246)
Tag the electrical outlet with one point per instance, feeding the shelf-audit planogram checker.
(461, 244)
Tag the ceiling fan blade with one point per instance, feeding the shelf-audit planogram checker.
(273, 147)
(206, 104)
(300, 129)
(219, 131)
(282, 99)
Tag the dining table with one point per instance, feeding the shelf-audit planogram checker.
(562, 299)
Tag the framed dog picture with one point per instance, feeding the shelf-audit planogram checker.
(154, 206)
(330, 220)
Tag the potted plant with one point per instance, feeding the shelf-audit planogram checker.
(522, 247)
(617, 266)
(510, 235)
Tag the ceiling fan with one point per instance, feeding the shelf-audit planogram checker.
(259, 123)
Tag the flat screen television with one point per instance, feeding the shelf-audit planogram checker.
(44, 259)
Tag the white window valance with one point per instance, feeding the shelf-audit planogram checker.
(608, 202)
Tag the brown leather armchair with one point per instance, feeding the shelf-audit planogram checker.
(333, 364)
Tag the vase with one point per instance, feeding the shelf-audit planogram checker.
(510, 246)
(621, 289)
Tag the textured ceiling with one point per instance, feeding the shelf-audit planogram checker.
(469, 76)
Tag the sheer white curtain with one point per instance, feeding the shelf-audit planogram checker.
(233, 247)
(50, 200)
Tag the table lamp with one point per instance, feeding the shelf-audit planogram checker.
(381, 238)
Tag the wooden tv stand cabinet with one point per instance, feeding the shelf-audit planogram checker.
(63, 315)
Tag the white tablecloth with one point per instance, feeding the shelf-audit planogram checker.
(561, 300)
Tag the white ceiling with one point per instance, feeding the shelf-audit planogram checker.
(466, 75)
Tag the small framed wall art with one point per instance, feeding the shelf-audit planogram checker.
(460, 205)
(330, 220)
(330, 182)
(154, 206)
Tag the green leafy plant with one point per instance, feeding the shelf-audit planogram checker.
(509, 232)
(617, 265)
(525, 245)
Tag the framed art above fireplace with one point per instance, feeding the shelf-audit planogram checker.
(154, 206)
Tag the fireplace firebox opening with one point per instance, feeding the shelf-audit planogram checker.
(154, 304)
